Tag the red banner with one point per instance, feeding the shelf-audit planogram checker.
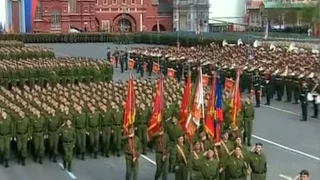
(171, 73)
(156, 68)
(228, 85)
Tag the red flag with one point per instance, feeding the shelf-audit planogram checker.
(185, 103)
(236, 101)
(197, 112)
(129, 112)
(154, 124)
(209, 120)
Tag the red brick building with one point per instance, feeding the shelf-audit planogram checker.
(103, 15)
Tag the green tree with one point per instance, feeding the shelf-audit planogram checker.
(309, 14)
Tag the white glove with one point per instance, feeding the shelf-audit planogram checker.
(100, 132)
(31, 138)
(87, 133)
(15, 139)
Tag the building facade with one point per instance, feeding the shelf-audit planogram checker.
(57, 16)
(191, 15)
(102, 15)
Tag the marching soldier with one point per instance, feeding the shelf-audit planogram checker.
(258, 163)
(268, 91)
(196, 161)
(122, 61)
(236, 168)
(93, 130)
(22, 135)
(108, 54)
(141, 124)
(117, 128)
(126, 58)
(161, 140)
(106, 129)
(80, 124)
(38, 129)
(174, 130)
(68, 136)
(180, 162)
(304, 175)
(6, 134)
(257, 84)
(205, 144)
(226, 147)
(211, 166)
(54, 124)
(304, 101)
(248, 117)
(132, 150)
(116, 55)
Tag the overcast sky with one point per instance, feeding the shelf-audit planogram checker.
(2, 11)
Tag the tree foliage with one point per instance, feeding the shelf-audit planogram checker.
(309, 13)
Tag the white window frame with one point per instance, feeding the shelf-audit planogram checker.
(105, 25)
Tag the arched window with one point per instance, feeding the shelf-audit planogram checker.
(39, 10)
(56, 19)
(72, 6)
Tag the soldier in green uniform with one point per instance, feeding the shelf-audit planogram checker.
(38, 130)
(258, 163)
(68, 136)
(106, 128)
(93, 129)
(80, 124)
(173, 130)
(196, 161)
(6, 133)
(226, 147)
(205, 143)
(180, 154)
(236, 167)
(132, 149)
(211, 167)
(54, 124)
(161, 148)
(141, 123)
(248, 116)
(22, 136)
(117, 124)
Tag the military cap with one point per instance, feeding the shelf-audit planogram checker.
(195, 141)
(258, 143)
(304, 172)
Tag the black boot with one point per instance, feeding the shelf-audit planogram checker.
(64, 165)
(40, 160)
(95, 155)
(35, 158)
(107, 154)
(82, 157)
(54, 158)
(69, 167)
(6, 163)
(23, 161)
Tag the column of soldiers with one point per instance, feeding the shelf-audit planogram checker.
(11, 44)
(51, 71)
(17, 52)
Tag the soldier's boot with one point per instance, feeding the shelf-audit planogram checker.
(50, 156)
(64, 165)
(40, 159)
(54, 158)
(6, 163)
(144, 151)
(107, 154)
(23, 161)
(118, 153)
(244, 139)
(95, 155)
(19, 159)
(69, 167)
(35, 158)
(1, 159)
(83, 157)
